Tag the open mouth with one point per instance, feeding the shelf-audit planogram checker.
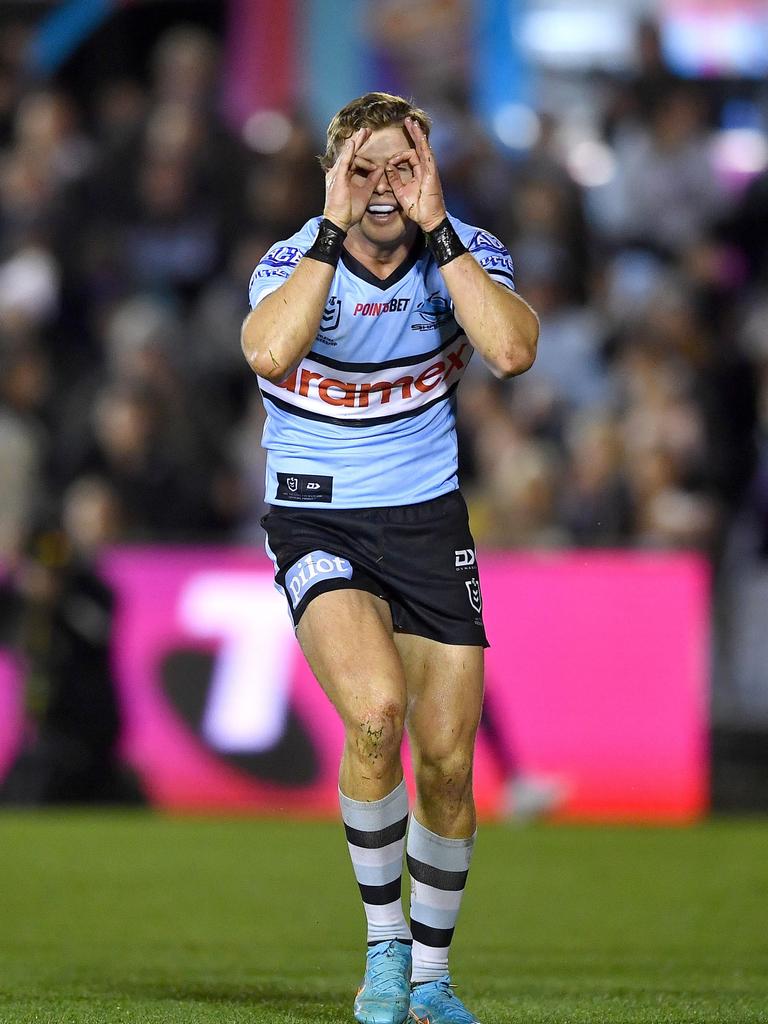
(381, 212)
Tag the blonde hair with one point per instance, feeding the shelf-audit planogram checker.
(374, 110)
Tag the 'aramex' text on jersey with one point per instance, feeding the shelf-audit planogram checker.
(313, 385)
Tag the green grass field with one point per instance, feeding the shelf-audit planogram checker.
(134, 917)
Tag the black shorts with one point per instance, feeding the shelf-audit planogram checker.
(420, 559)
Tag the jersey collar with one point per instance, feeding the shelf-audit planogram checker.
(354, 266)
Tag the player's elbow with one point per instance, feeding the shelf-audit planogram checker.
(266, 365)
(260, 354)
(519, 351)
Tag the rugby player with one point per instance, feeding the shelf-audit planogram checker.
(361, 326)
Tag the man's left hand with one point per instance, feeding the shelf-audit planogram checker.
(419, 192)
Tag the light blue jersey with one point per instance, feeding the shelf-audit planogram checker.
(367, 418)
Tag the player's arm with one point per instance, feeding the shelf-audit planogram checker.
(279, 332)
(501, 326)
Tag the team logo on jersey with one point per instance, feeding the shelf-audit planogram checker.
(331, 317)
(465, 558)
(434, 312)
(473, 593)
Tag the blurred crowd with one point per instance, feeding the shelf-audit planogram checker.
(129, 227)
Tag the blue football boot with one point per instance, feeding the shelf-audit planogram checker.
(385, 994)
(434, 1002)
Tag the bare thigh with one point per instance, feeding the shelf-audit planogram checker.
(346, 636)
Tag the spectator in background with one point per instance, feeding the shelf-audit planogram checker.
(543, 217)
(664, 438)
(47, 130)
(637, 94)
(185, 68)
(571, 374)
(161, 491)
(423, 44)
(14, 37)
(510, 489)
(281, 183)
(120, 109)
(595, 501)
(166, 197)
(25, 440)
(667, 190)
(58, 614)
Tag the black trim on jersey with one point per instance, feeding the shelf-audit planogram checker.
(369, 421)
(501, 273)
(356, 267)
(337, 364)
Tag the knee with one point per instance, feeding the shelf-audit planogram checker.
(375, 734)
(443, 772)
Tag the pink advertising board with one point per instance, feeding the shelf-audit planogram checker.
(596, 679)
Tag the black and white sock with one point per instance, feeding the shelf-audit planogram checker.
(438, 869)
(376, 838)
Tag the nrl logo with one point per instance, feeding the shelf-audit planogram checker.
(331, 314)
(292, 482)
(473, 593)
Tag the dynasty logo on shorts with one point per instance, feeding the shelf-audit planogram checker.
(465, 558)
(300, 487)
(314, 568)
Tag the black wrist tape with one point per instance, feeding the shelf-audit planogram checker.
(444, 243)
(327, 247)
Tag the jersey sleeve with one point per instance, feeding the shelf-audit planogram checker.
(279, 262)
(492, 255)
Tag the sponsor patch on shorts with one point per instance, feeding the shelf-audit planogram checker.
(314, 568)
(300, 487)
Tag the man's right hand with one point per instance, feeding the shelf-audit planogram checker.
(350, 183)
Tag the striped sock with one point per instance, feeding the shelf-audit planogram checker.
(376, 839)
(438, 869)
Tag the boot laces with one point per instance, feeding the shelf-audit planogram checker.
(385, 967)
(456, 1010)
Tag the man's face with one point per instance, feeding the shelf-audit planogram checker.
(384, 222)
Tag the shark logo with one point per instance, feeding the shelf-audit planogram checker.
(434, 312)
